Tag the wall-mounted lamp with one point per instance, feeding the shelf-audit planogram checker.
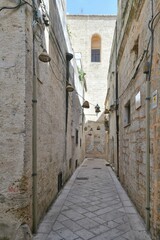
(46, 20)
(69, 56)
(85, 104)
(106, 111)
(44, 56)
(69, 88)
(90, 132)
(112, 108)
(97, 108)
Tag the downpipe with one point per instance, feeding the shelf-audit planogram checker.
(117, 104)
(148, 72)
(147, 153)
(34, 136)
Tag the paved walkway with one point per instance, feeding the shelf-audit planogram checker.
(92, 205)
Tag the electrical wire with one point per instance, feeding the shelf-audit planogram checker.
(21, 3)
(17, 6)
(151, 28)
(85, 100)
(43, 6)
(151, 22)
(137, 68)
(62, 82)
(27, 3)
(57, 79)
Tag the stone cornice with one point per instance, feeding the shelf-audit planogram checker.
(100, 17)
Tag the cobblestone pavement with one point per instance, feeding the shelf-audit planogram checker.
(92, 205)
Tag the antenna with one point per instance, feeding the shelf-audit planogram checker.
(81, 10)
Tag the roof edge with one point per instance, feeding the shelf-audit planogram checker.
(92, 15)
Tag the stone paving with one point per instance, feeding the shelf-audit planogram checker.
(92, 205)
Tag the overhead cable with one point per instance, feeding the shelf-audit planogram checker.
(21, 2)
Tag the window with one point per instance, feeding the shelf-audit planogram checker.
(76, 136)
(70, 163)
(95, 48)
(127, 114)
(60, 181)
(95, 57)
(76, 163)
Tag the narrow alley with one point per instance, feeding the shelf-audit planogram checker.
(92, 205)
(80, 120)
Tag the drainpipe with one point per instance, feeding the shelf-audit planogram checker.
(148, 71)
(117, 103)
(147, 153)
(148, 80)
(34, 136)
(67, 80)
(69, 56)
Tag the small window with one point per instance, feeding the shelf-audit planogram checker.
(95, 55)
(76, 163)
(70, 163)
(76, 136)
(127, 114)
(60, 181)
(95, 48)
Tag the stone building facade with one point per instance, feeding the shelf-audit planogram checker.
(91, 37)
(40, 133)
(95, 139)
(133, 104)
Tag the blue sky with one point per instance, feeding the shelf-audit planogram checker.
(92, 7)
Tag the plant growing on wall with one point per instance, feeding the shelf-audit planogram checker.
(81, 74)
(69, 31)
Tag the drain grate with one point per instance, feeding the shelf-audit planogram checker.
(97, 168)
(82, 178)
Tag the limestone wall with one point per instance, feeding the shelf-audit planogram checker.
(54, 137)
(134, 49)
(132, 133)
(15, 115)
